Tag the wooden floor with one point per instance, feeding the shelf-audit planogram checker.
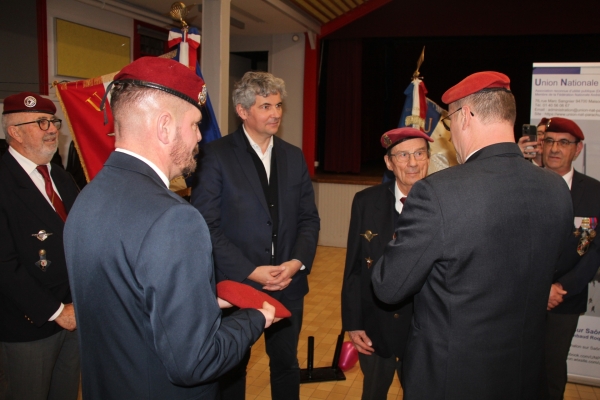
(322, 319)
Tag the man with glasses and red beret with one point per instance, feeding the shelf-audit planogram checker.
(39, 356)
(477, 245)
(580, 258)
(379, 331)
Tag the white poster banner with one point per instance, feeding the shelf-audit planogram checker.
(572, 90)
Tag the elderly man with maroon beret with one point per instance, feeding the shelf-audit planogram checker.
(580, 258)
(475, 246)
(140, 257)
(39, 356)
(379, 331)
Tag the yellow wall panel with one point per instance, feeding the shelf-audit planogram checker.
(84, 52)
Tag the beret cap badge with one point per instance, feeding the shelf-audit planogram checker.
(30, 101)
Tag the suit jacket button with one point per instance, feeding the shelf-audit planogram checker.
(269, 223)
(271, 205)
(266, 250)
(396, 315)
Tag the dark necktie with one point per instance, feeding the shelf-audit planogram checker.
(402, 199)
(54, 198)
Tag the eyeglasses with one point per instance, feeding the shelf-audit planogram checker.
(403, 157)
(44, 124)
(447, 122)
(562, 143)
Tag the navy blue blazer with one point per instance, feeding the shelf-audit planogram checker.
(386, 325)
(28, 295)
(574, 272)
(141, 272)
(228, 193)
(477, 246)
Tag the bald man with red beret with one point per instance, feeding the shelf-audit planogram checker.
(140, 257)
(476, 248)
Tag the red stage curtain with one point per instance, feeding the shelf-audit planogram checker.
(344, 106)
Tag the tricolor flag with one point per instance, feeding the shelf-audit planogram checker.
(80, 102)
(421, 113)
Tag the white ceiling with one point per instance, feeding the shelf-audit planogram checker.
(259, 17)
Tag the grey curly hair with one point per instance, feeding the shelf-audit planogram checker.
(254, 84)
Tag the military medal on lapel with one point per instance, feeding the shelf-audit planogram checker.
(43, 263)
(369, 262)
(586, 234)
(368, 235)
(41, 235)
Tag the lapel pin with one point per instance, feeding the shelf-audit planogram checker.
(368, 235)
(43, 263)
(41, 235)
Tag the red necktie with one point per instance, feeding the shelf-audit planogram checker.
(54, 198)
(402, 199)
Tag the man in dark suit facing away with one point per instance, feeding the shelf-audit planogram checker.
(477, 248)
(39, 355)
(255, 193)
(140, 256)
(581, 256)
(379, 331)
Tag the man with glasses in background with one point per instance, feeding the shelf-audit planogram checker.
(580, 257)
(476, 245)
(379, 331)
(39, 356)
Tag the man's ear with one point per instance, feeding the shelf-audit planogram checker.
(578, 150)
(241, 111)
(388, 162)
(164, 126)
(15, 134)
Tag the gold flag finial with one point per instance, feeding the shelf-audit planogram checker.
(178, 13)
(417, 74)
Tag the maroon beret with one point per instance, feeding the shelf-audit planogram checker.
(28, 102)
(395, 135)
(167, 75)
(244, 296)
(475, 83)
(543, 122)
(564, 125)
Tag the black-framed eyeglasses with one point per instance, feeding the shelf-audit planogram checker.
(562, 143)
(44, 124)
(404, 156)
(447, 122)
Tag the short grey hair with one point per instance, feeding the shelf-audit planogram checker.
(256, 83)
(7, 120)
(490, 106)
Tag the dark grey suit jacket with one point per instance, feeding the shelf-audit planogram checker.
(29, 296)
(386, 325)
(229, 195)
(141, 272)
(477, 245)
(574, 272)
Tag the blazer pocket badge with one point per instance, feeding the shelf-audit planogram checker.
(368, 235)
(585, 232)
(43, 263)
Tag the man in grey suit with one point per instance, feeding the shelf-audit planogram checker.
(39, 355)
(255, 193)
(139, 256)
(476, 247)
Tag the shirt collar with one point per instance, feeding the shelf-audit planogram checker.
(25, 163)
(568, 177)
(163, 177)
(255, 146)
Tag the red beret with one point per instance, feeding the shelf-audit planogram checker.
(543, 122)
(395, 135)
(564, 125)
(28, 102)
(244, 296)
(167, 75)
(476, 82)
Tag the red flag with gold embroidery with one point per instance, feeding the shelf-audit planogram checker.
(80, 103)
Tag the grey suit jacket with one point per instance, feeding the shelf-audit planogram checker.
(28, 295)
(477, 245)
(141, 273)
(228, 193)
